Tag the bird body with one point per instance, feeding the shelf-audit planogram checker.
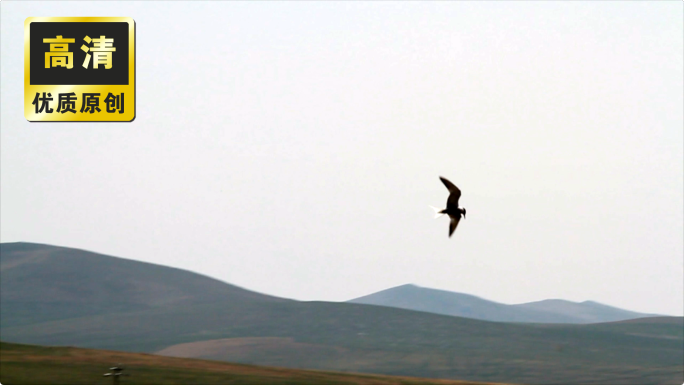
(452, 210)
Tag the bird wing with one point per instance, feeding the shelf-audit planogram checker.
(451, 187)
(455, 194)
(453, 224)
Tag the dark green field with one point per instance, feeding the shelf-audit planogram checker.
(36, 365)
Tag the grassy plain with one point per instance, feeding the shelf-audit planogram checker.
(37, 365)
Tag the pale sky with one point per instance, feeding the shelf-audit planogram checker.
(293, 148)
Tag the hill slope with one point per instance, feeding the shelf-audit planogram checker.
(44, 283)
(320, 335)
(464, 305)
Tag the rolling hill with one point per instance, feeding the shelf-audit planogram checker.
(46, 283)
(413, 297)
(165, 310)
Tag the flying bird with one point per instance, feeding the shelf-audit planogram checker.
(452, 210)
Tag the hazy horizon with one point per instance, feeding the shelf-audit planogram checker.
(294, 148)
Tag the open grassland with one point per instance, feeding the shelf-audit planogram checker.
(35, 365)
(373, 339)
(562, 365)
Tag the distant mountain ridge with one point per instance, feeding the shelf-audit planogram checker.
(444, 302)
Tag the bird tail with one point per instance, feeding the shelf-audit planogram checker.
(438, 212)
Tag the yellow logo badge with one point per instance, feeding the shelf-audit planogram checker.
(79, 69)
